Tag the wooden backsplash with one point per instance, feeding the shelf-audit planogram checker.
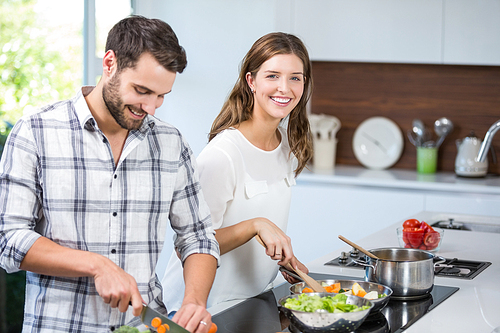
(468, 95)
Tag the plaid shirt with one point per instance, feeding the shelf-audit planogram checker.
(58, 179)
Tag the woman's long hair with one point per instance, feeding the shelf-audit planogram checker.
(239, 105)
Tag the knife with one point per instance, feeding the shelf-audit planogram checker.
(159, 323)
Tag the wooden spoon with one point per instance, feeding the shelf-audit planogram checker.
(315, 285)
(369, 254)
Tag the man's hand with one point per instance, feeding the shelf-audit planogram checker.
(117, 288)
(199, 274)
(193, 317)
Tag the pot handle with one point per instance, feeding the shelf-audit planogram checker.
(440, 261)
(363, 263)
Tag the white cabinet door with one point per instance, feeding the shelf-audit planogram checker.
(319, 213)
(463, 203)
(472, 32)
(374, 31)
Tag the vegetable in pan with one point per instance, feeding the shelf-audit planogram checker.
(313, 303)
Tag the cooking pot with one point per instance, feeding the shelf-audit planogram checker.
(408, 272)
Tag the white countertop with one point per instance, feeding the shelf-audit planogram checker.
(473, 308)
(402, 179)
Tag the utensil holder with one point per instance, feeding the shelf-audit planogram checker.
(427, 159)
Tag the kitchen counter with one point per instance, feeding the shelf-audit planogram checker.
(475, 307)
(402, 179)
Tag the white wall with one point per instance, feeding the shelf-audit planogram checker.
(216, 35)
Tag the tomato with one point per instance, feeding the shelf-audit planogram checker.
(426, 227)
(431, 239)
(422, 247)
(415, 236)
(411, 223)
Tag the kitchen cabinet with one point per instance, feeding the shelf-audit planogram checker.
(415, 31)
(472, 32)
(370, 31)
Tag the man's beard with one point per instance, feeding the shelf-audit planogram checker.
(114, 103)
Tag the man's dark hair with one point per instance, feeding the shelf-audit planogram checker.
(135, 35)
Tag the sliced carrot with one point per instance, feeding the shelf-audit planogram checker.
(329, 289)
(213, 328)
(163, 328)
(307, 290)
(335, 287)
(156, 322)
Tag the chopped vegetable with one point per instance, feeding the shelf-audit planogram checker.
(129, 329)
(163, 328)
(420, 235)
(156, 322)
(371, 295)
(357, 290)
(313, 303)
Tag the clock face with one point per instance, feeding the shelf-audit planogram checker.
(378, 143)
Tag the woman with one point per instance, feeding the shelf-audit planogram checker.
(249, 166)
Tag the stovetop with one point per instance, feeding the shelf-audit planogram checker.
(453, 268)
(260, 314)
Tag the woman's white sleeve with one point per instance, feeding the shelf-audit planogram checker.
(217, 178)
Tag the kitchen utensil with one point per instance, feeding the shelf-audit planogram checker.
(371, 255)
(408, 272)
(315, 285)
(148, 315)
(418, 128)
(427, 159)
(306, 278)
(466, 163)
(324, 128)
(378, 304)
(442, 127)
(412, 136)
(324, 321)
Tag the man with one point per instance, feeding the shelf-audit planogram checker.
(87, 186)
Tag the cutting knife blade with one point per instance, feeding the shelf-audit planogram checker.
(148, 314)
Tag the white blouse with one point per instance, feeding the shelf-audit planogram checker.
(239, 182)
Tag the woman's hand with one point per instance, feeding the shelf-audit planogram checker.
(278, 245)
(297, 265)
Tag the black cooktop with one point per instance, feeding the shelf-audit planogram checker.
(260, 314)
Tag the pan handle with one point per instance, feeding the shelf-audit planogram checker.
(364, 263)
(440, 261)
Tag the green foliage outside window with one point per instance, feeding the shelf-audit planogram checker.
(32, 72)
